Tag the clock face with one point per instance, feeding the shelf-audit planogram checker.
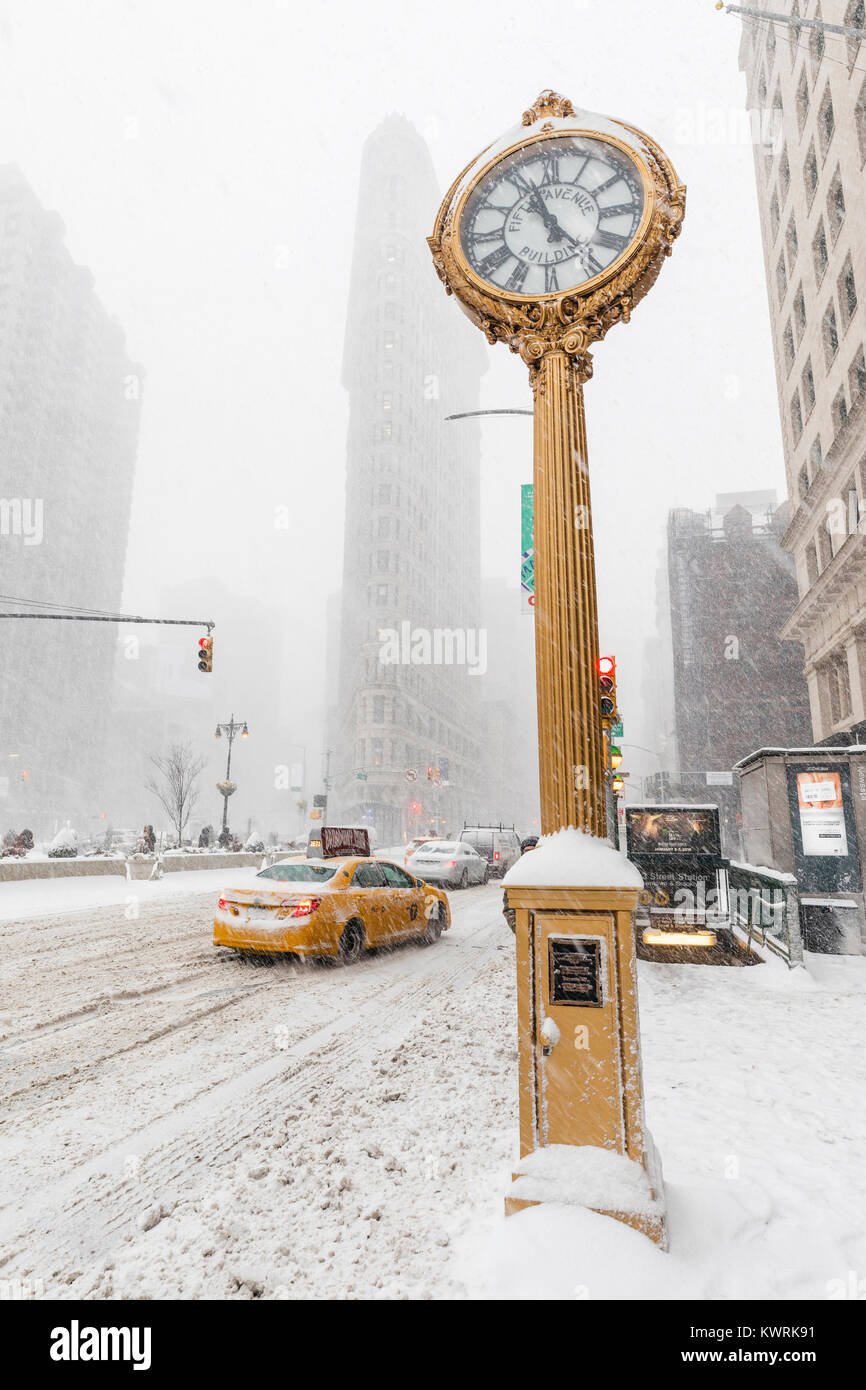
(552, 216)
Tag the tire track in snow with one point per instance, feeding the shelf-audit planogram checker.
(66, 1205)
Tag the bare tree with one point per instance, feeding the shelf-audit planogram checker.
(174, 786)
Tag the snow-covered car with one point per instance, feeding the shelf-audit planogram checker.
(449, 863)
(330, 907)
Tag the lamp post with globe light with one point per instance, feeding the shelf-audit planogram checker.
(228, 787)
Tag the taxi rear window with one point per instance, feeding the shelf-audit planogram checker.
(300, 873)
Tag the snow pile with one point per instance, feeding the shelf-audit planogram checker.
(64, 845)
(573, 859)
(585, 1176)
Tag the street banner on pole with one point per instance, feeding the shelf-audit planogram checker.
(527, 550)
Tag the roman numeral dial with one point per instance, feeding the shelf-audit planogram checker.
(553, 215)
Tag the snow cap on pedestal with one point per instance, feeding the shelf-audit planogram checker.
(573, 859)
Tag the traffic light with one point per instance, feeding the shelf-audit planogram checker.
(205, 653)
(429, 774)
(606, 667)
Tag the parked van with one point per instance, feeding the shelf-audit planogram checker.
(498, 844)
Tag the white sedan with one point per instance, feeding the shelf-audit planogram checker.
(448, 863)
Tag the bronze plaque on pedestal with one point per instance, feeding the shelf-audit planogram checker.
(574, 971)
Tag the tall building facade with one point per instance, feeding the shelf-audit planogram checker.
(69, 415)
(810, 86)
(736, 685)
(408, 700)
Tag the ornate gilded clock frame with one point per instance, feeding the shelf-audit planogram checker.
(553, 334)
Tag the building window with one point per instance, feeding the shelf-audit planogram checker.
(788, 346)
(792, 244)
(830, 333)
(840, 688)
(855, 18)
(835, 206)
(847, 291)
(839, 409)
(377, 748)
(860, 122)
(774, 216)
(781, 279)
(802, 100)
(812, 570)
(385, 493)
(784, 176)
(389, 340)
(857, 376)
(803, 482)
(808, 380)
(796, 416)
(771, 46)
(826, 122)
(816, 457)
(378, 709)
(819, 252)
(387, 400)
(799, 314)
(810, 173)
(816, 46)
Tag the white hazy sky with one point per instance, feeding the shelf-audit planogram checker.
(204, 157)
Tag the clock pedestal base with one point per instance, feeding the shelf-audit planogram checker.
(583, 1138)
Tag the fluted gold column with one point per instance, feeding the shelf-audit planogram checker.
(571, 769)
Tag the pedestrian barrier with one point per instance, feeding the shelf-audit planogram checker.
(764, 910)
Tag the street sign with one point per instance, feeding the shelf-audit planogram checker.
(720, 779)
(360, 776)
(411, 774)
(616, 729)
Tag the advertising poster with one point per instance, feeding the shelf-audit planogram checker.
(527, 549)
(686, 830)
(822, 814)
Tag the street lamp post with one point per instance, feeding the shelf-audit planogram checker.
(228, 787)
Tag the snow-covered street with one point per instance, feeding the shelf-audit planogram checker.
(183, 1123)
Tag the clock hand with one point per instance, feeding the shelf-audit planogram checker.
(547, 217)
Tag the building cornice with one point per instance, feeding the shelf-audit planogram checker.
(848, 438)
(842, 573)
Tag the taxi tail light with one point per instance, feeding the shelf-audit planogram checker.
(496, 854)
(222, 904)
(305, 907)
(452, 864)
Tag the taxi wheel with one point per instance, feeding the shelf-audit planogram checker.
(352, 943)
(434, 929)
(464, 879)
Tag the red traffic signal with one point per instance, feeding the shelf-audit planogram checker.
(606, 667)
(205, 653)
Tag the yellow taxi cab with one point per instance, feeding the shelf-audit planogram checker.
(338, 906)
